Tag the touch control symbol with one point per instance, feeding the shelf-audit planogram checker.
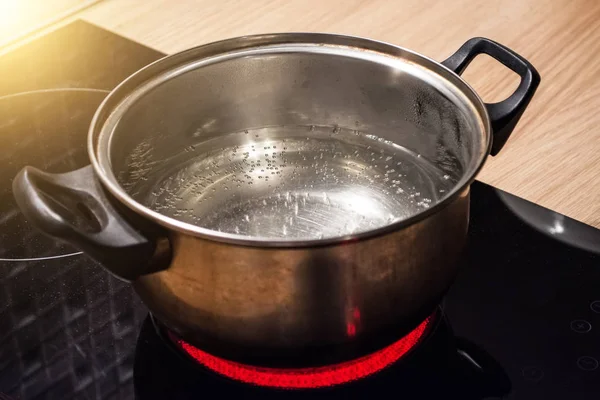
(532, 373)
(587, 363)
(581, 326)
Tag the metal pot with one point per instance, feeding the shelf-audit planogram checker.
(250, 293)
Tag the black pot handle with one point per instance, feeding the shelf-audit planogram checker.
(74, 208)
(505, 114)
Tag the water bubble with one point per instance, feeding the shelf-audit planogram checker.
(382, 179)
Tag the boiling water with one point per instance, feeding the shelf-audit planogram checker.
(295, 183)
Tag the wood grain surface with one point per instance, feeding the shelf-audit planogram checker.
(553, 157)
(21, 17)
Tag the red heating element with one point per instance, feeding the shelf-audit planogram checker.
(310, 378)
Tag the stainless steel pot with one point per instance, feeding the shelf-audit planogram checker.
(245, 259)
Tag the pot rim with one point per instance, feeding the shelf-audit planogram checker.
(120, 98)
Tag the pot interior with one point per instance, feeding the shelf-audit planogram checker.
(293, 141)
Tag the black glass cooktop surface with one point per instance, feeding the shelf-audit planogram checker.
(522, 320)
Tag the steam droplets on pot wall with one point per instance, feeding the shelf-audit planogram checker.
(301, 182)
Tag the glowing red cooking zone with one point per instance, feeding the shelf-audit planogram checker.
(309, 378)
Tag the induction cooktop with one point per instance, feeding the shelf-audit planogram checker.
(522, 319)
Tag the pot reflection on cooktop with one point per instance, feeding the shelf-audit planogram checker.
(441, 366)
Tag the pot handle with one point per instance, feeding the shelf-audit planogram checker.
(74, 208)
(505, 114)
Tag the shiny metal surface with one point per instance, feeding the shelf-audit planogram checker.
(247, 303)
(170, 141)
(314, 187)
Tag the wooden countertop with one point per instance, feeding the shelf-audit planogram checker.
(552, 158)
